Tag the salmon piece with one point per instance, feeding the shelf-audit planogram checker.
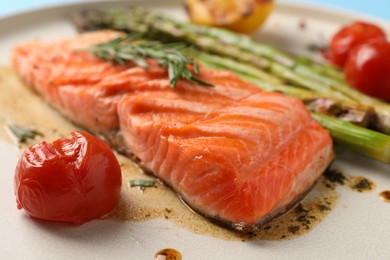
(70, 79)
(234, 153)
(241, 165)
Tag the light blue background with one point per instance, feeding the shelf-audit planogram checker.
(376, 8)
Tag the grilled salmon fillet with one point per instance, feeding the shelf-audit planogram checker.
(232, 152)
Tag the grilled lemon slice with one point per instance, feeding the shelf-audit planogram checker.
(244, 16)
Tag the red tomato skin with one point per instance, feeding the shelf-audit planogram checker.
(368, 69)
(74, 179)
(350, 37)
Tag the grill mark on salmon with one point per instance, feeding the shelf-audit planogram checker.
(234, 153)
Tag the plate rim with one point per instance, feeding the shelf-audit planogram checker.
(77, 4)
(305, 7)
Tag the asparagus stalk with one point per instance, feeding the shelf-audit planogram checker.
(239, 47)
(347, 111)
(230, 64)
(382, 109)
(325, 69)
(367, 142)
(284, 66)
(364, 141)
(370, 143)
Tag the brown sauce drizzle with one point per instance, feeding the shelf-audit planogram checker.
(356, 183)
(168, 254)
(385, 195)
(361, 184)
(335, 176)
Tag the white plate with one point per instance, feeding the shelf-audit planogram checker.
(357, 228)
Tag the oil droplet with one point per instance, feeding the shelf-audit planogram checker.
(168, 254)
(385, 195)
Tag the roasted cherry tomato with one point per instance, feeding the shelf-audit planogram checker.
(368, 69)
(351, 36)
(74, 179)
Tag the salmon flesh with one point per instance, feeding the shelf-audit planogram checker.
(232, 152)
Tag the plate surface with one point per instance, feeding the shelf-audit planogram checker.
(357, 228)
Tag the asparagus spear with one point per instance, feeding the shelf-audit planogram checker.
(368, 142)
(284, 66)
(329, 105)
(239, 47)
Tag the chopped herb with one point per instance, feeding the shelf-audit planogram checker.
(335, 176)
(23, 133)
(323, 207)
(301, 219)
(329, 186)
(142, 184)
(363, 184)
(168, 210)
(293, 229)
(267, 227)
(251, 235)
(299, 209)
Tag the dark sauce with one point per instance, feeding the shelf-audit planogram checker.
(361, 184)
(301, 219)
(356, 183)
(335, 176)
(168, 254)
(385, 195)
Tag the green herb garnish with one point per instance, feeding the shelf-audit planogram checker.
(293, 229)
(23, 133)
(363, 184)
(170, 55)
(335, 176)
(323, 207)
(142, 183)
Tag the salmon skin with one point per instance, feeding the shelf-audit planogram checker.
(233, 153)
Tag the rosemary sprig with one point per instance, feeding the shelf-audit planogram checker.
(170, 55)
(23, 133)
